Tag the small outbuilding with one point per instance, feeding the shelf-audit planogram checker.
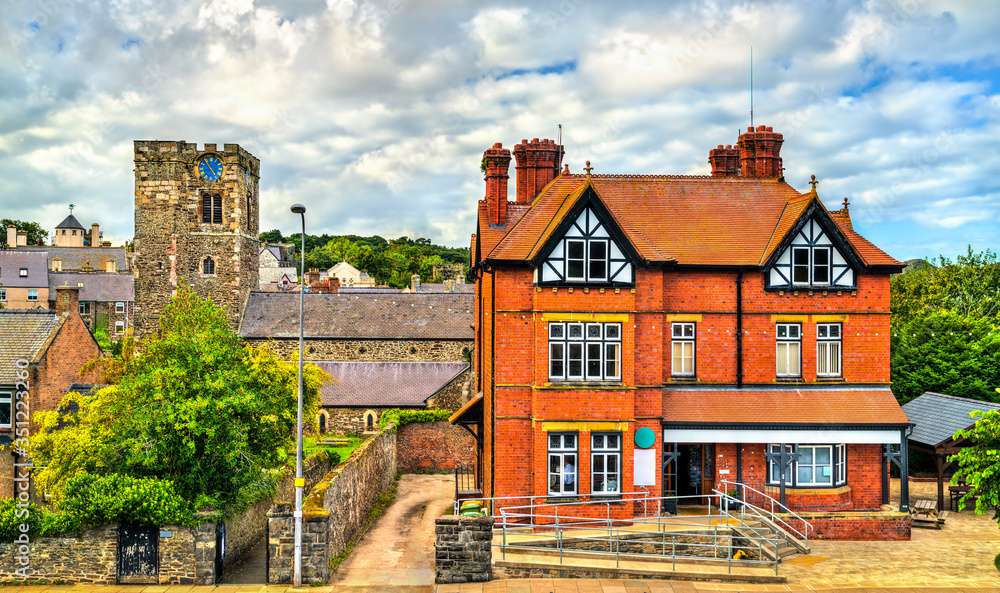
(936, 418)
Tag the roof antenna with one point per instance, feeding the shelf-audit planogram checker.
(751, 86)
(560, 134)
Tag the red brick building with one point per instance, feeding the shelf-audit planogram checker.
(667, 333)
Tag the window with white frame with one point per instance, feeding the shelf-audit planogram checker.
(6, 408)
(562, 463)
(585, 351)
(788, 353)
(119, 328)
(811, 265)
(812, 466)
(828, 350)
(84, 308)
(3, 295)
(119, 307)
(605, 463)
(32, 296)
(24, 272)
(682, 346)
(587, 253)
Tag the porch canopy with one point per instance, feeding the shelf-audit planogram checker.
(798, 414)
(936, 418)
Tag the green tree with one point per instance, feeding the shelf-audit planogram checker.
(35, 231)
(194, 406)
(979, 463)
(271, 236)
(947, 353)
(969, 286)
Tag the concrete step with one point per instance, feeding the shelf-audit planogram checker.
(580, 564)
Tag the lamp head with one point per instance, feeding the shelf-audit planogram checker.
(298, 209)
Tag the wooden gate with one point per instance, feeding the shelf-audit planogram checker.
(138, 553)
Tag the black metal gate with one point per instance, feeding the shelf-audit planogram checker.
(138, 553)
(220, 550)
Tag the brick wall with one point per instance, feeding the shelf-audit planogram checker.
(371, 350)
(424, 446)
(60, 367)
(868, 526)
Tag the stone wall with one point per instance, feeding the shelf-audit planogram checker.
(425, 446)
(90, 557)
(370, 350)
(453, 395)
(281, 545)
(177, 555)
(351, 420)
(250, 526)
(463, 549)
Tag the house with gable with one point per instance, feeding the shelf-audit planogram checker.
(673, 335)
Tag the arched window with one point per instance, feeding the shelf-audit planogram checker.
(211, 209)
(208, 266)
(322, 423)
(370, 422)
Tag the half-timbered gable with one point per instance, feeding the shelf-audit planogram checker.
(813, 255)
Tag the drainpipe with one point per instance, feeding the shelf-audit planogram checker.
(493, 382)
(739, 329)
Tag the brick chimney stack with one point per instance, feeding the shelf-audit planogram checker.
(497, 165)
(538, 163)
(68, 299)
(759, 152)
(725, 161)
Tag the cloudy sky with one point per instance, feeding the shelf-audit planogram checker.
(375, 113)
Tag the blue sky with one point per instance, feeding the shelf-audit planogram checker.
(375, 114)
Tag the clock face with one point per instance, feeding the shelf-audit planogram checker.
(210, 168)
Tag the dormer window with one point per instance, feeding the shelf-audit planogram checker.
(587, 253)
(23, 272)
(587, 260)
(811, 265)
(810, 259)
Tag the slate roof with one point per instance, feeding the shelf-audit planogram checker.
(402, 384)
(938, 416)
(439, 287)
(11, 262)
(417, 316)
(25, 334)
(690, 219)
(73, 258)
(70, 222)
(98, 287)
(782, 406)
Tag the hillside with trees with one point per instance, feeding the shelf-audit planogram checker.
(946, 328)
(390, 261)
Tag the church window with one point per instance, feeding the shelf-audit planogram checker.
(208, 266)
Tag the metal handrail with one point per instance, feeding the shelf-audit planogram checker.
(592, 500)
(774, 518)
(605, 530)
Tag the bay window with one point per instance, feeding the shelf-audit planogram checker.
(812, 465)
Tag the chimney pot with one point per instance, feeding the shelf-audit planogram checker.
(534, 140)
(497, 165)
(538, 163)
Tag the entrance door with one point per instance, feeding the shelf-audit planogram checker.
(138, 547)
(695, 473)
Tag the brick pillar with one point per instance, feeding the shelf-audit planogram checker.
(281, 545)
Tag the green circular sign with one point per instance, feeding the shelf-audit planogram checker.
(645, 437)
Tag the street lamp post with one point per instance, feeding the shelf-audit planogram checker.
(299, 480)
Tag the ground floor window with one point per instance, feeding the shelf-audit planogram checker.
(605, 463)
(812, 465)
(562, 464)
(6, 406)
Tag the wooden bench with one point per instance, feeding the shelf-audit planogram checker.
(926, 515)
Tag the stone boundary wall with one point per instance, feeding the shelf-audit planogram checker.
(463, 549)
(250, 526)
(425, 446)
(334, 512)
(858, 526)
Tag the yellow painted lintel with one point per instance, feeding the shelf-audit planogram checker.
(829, 318)
(583, 426)
(622, 317)
(695, 317)
(790, 318)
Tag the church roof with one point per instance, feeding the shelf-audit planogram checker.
(70, 222)
(381, 384)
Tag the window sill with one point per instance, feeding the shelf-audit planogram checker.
(556, 499)
(683, 378)
(830, 380)
(584, 386)
(816, 490)
(789, 380)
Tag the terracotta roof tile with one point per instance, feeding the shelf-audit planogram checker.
(786, 406)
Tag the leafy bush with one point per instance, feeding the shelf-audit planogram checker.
(91, 501)
(401, 417)
(12, 516)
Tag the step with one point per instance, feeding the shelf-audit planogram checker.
(583, 565)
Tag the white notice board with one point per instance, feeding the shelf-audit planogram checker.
(644, 473)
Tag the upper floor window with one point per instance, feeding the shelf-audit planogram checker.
(208, 266)
(810, 265)
(84, 308)
(32, 296)
(586, 254)
(789, 350)
(3, 295)
(585, 351)
(812, 259)
(119, 307)
(211, 209)
(828, 350)
(682, 346)
(23, 273)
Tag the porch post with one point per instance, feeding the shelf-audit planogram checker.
(886, 464)
(904, 473)
(781, 473)
(939, 463)
(739, 462)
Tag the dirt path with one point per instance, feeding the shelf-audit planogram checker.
(399, 549)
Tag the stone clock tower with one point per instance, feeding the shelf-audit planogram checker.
(197, 221)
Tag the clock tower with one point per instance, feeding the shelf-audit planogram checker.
(197, 221)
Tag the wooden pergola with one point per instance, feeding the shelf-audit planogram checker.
(936, 418)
